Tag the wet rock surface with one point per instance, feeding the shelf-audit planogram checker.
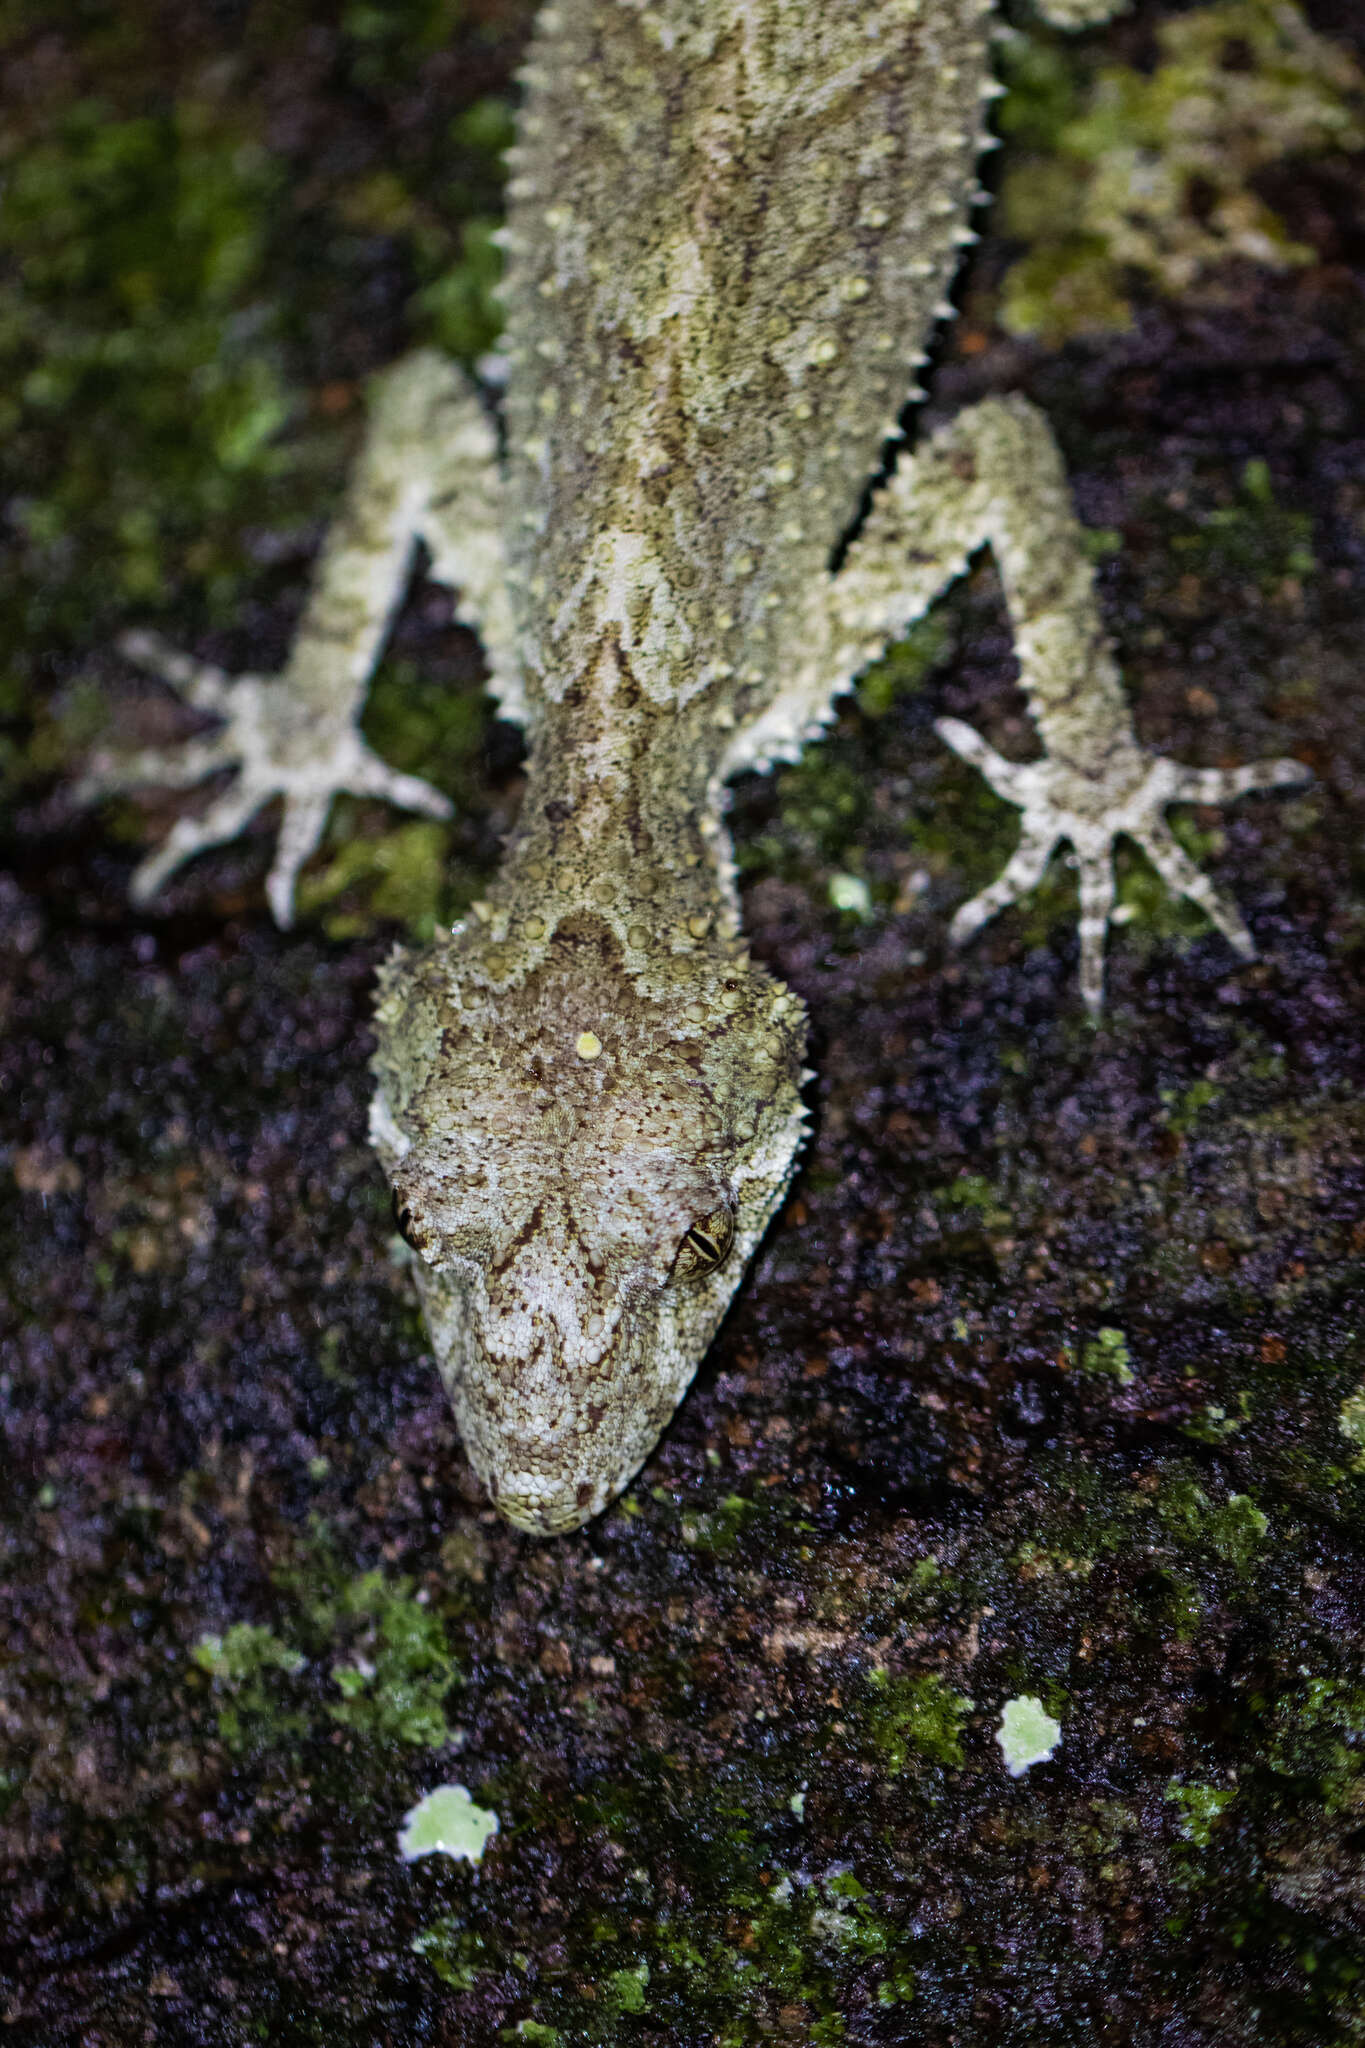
(1046, 1387)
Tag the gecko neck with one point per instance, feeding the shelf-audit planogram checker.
(620, 803)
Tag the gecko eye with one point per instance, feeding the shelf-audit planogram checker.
(410, 1228)
(705, 1244)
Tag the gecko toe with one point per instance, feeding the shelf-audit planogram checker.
(223, 820)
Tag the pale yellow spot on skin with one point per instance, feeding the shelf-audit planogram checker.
(588, 1045)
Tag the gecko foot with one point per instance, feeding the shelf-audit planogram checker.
(279, 746)
(1060, 804)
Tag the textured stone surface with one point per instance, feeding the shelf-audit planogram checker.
(1036, 1390)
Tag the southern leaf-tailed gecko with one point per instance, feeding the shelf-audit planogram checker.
(731, 228)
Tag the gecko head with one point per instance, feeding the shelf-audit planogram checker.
(583, 1160)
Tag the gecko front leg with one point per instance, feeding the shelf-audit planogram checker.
(994, 477)
(428, 471)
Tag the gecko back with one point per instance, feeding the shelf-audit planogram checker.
(729, 228)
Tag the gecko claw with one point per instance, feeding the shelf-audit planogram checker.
(373, 777)
(201, 683)
(301, 830)
(1062, 806)
(278, 749)
(222, 820)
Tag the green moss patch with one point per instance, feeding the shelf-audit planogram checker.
(1127, 174)
(913, 1720)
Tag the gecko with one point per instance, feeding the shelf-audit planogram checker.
(732, 227)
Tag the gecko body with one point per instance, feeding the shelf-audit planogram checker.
(731, 228)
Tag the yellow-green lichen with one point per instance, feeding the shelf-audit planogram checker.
(247, 1709)
(1315, 1733)
(365, 1637)
(1234, 1529)
(398, 876)
(749, 1945)
(1107, 1357)
(972, 1191)
(718, 1530)
(627, 1990)
(913, 1720)
(399, 1670)
(1182, 1106)
(1351, 1423)
(455, 1952)
(905, 667)
(1214, 1425)
(1154, 173)
(784, 1946)
(1200, 1807)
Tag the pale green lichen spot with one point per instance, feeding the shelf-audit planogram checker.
(447, 1823)
(1027, 1734)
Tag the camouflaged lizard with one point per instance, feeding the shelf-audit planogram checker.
(731, 227)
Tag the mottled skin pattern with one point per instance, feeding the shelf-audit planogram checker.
(731, 226)
(550, 1189)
